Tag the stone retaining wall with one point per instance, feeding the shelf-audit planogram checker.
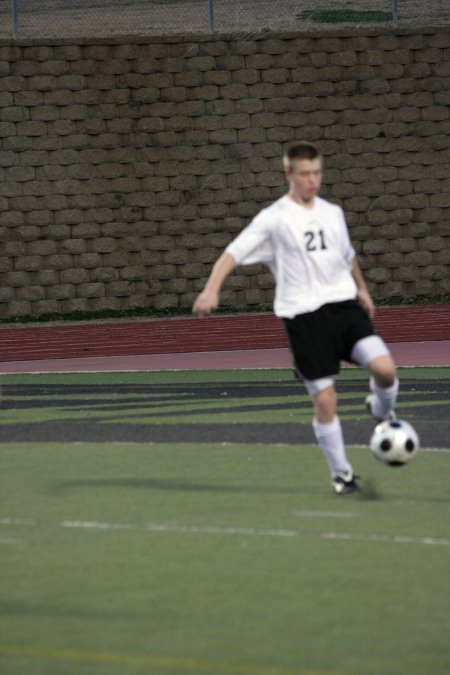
(127, 166)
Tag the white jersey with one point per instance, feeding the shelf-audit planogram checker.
(308, 251)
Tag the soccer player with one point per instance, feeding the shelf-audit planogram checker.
(320, 295)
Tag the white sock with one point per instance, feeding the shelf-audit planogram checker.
(331, 440)
(384, 399)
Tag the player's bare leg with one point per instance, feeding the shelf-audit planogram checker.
(384, 386)
(325, 403)
(328, 432)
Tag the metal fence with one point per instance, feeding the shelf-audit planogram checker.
(61, 18)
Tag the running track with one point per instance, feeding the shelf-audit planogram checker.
(417, 336)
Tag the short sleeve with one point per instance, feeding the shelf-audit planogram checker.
(347, 249)
(253, 244)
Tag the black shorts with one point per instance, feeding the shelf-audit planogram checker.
(319, 340)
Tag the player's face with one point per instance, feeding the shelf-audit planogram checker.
(305, 178)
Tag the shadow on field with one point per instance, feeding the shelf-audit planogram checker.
(169, 485)
(369, 489)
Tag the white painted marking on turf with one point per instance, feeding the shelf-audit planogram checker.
(4, 541)
(18, 521)
(434, 450)
(211, 529)
(231, 444)
(324, 514)
(171, 370)
(169, 527)
(366, 447)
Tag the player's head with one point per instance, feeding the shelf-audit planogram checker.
(302, 163)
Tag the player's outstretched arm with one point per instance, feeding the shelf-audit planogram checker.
(363, 294)
(208, 300)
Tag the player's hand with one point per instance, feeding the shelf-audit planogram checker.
(206, 303)
(366, 301)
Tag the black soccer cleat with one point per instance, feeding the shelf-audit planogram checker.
(344, 483)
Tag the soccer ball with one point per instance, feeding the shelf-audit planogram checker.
(394, 442)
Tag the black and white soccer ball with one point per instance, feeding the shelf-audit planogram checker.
(394, 442)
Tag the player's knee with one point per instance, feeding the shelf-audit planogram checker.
(383, 371)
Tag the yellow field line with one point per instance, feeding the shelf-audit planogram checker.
(189, 665)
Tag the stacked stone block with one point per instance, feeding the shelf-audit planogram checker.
(126, 168)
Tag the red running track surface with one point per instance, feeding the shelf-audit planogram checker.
(190, 335)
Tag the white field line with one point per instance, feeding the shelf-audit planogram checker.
(434, 450)
(163, 370)
(348, 445)
(324, 514)
(232, 444)
(290, 445)
(5, 541)
(210, 529)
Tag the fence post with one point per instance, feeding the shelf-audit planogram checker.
(395, 12)
(15, 17)
(211, 15)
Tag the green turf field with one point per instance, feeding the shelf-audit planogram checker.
(183, 523)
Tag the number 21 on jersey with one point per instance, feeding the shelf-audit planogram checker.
(315, 241)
